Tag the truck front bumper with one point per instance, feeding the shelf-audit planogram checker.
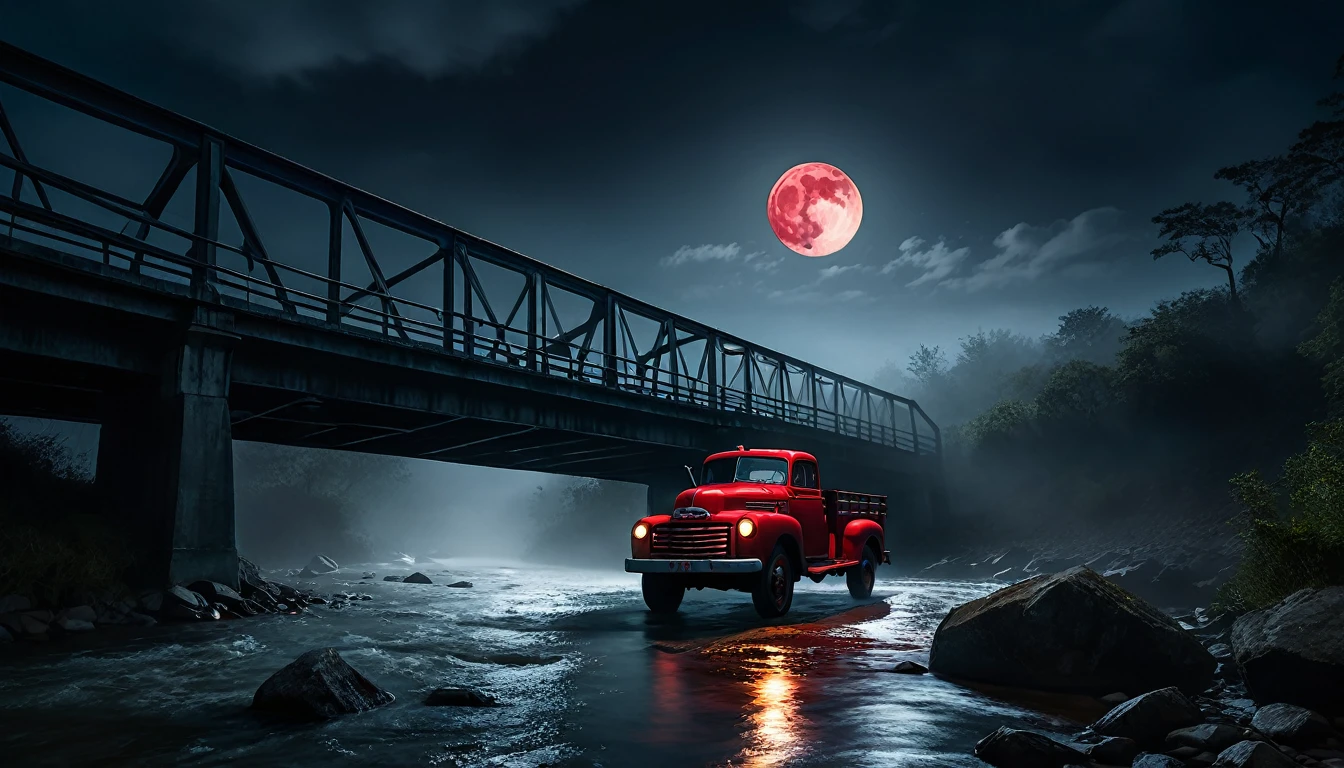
(660, 565)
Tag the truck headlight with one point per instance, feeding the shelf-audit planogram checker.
(745, 527)
(640, 531)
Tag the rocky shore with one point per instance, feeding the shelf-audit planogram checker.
(1261, 690)
(26, 619)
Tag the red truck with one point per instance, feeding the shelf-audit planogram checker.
(757, 522)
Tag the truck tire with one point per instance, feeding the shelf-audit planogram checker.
(774, 590)
(861, 577)
(662, 593)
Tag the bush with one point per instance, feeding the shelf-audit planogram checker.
(1297, 544)
(52, 541)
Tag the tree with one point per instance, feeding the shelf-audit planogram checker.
(928, 365)
(1091, 333)
(1279, 188)
(1203, 233)
(1320, 146)
(1327, 347)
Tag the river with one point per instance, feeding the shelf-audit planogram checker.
(584, 674)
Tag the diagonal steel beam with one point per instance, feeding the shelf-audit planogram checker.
(442, 254)
(8, 130)
(483, 440)
(252, 239)
(402, 433)
(389, 307)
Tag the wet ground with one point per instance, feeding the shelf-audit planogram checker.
(586, 677)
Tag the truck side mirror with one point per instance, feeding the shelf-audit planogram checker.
(691, 474)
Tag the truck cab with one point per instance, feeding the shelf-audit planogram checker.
(757, 521)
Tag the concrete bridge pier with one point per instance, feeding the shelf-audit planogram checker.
(165, 461)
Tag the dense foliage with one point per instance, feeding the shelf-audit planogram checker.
(1107, 419)
(52, 540)
(1295, 542)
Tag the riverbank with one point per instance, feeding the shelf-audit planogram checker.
(584, 674)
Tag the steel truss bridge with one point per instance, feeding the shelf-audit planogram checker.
(382, 330)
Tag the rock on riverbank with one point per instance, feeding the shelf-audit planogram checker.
(1288, 650)
(1073, 631)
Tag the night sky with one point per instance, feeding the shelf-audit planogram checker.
(1010, 154)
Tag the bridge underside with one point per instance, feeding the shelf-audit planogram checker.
(172, 380)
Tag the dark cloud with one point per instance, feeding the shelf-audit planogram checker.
(1009, 154)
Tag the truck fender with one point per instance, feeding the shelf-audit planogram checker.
(857, 533)
(774, 527)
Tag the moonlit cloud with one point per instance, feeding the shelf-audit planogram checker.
(1027, 252)
(760, 261)
(935, 262)
(701, 253)
(295, 38)
(835, 270)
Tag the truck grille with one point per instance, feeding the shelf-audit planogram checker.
(690, 540)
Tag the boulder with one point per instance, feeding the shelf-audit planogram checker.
(79, 613)
(391, 578)
(1209, 737)
(458, 697)
(909, 668)
(1073, 631)
(178, 602)
(28, 623)
(1113, 750)
(321, 564)
(15, 604)
(1293, 652)
(319, 685)
(74, 625)
(1151, 760)
(417, 578)
(1292, 725)
(215, 593)
(1009, 748)
(461, 584)
(1253, 754)
(1147, 719)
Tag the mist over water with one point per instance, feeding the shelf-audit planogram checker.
(295, 503)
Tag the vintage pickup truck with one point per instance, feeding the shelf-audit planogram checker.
(757, 522)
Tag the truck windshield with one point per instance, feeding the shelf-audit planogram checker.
(745, 469)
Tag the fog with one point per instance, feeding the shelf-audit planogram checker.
(294, 503)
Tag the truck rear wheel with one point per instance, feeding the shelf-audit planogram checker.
(861, 577)
(662, 594)
(774, 591)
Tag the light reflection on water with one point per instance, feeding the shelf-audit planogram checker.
(777, 724)
(574, 656)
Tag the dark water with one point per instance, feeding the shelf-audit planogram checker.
(585, 675)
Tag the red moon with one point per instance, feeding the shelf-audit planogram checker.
(814, 209)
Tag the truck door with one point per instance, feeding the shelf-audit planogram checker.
(805, 505)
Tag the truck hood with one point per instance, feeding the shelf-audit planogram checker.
(730, 497)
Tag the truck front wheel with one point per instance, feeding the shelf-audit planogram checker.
(861, 577)
(662, 593)
(774, 592)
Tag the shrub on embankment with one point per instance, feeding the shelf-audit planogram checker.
(1293, 529)
(52, 539)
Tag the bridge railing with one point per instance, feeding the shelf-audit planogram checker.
(549, 322)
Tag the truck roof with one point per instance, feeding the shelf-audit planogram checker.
(776, 453)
